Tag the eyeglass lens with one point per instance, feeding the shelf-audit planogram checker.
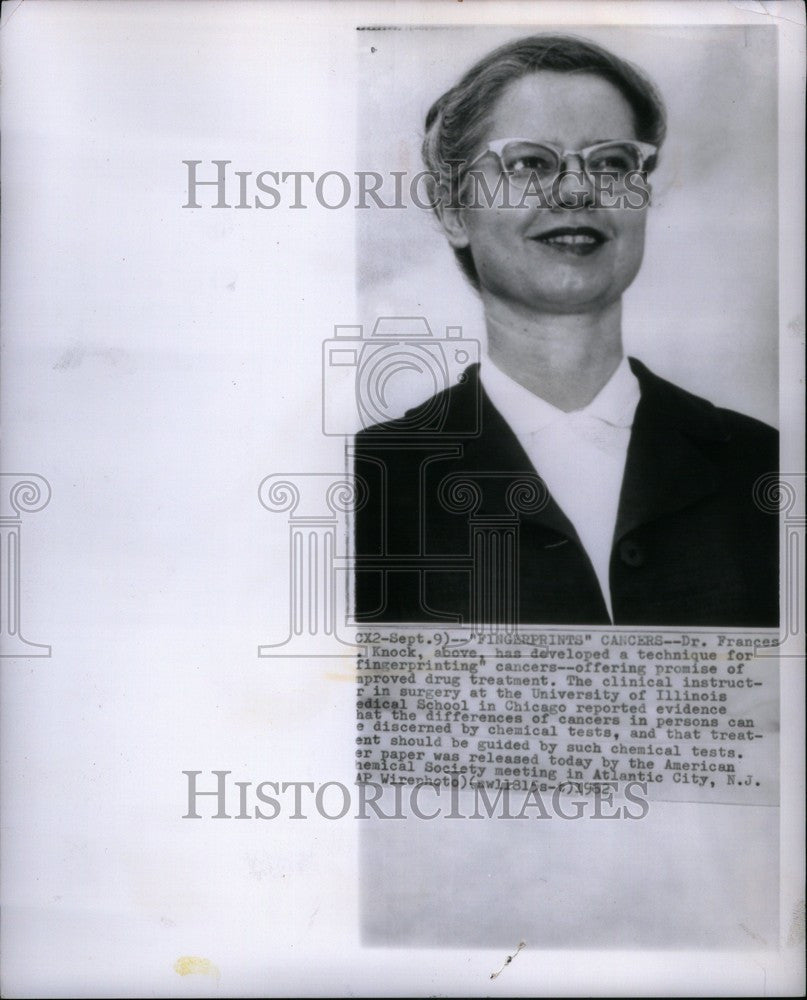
(523, 160)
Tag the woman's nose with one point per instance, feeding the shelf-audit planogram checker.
(573, 187)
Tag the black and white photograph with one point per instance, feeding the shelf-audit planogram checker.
(621, 496)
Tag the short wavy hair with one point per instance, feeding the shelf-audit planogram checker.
(458, 122)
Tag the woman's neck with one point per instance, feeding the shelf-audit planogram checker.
(564, 359)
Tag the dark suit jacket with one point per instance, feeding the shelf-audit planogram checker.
(444, 508)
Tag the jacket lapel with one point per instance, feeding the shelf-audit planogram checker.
(667, 466)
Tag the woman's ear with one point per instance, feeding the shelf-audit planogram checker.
(452, 220)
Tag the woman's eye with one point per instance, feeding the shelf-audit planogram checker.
(613, 164)
(530, 165)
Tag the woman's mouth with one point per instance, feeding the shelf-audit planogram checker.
(577, 240)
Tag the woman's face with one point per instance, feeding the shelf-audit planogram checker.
(516, 256)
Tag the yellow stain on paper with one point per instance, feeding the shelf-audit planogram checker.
(191, 965)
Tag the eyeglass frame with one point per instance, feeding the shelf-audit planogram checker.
(647, 150)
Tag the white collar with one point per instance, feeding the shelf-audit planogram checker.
(526, 413)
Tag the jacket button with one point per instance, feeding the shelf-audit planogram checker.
(631, 553)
